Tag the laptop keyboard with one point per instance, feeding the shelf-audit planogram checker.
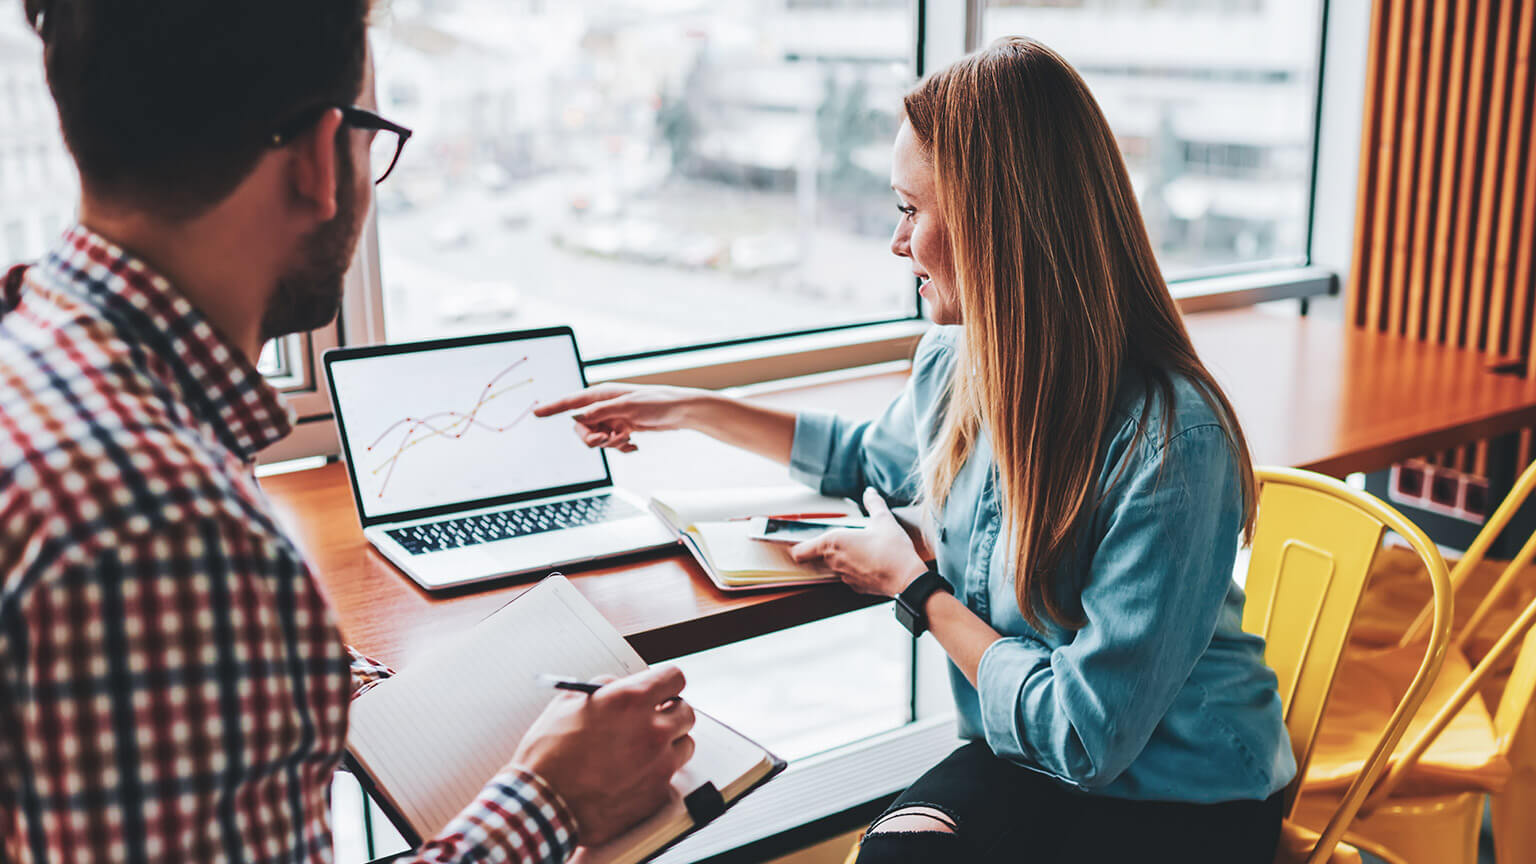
(521, 522)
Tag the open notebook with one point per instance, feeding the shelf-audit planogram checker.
(712, 525)
(426, 741)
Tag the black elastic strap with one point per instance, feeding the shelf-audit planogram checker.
(704, 804)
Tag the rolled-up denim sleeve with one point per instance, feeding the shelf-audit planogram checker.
(1157, 581)
(842, 458)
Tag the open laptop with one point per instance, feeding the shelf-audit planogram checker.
(456, 481)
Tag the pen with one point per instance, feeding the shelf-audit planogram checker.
(792, 516)
(562, 683)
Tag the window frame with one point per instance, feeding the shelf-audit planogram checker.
(292, 352)
(299, 382)
(943, 30)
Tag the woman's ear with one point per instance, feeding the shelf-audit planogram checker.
(313, 167)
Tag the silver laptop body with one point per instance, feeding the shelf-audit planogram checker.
(456, 481)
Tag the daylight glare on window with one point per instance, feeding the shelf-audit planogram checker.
(1214, 105)
(654, 173)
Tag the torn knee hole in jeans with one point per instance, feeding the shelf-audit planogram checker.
(915, 819)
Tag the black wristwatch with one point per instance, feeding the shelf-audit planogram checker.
(911, 602)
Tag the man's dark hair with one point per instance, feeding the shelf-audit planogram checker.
(168, 104)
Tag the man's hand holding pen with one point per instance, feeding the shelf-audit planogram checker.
(610, 754)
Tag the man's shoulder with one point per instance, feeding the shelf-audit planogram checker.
(92, 455)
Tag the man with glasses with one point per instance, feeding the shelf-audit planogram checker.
(172, 684)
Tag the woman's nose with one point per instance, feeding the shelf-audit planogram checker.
(901, 241)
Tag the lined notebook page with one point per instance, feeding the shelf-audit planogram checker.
(435, 733)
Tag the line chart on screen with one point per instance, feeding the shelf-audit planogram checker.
(450, 425)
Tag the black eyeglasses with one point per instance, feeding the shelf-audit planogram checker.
(388, 138)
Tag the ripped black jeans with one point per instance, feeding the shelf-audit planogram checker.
(1002, 812)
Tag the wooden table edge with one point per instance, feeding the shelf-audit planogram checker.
(1382, 455)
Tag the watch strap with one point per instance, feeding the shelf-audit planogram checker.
(913, 600)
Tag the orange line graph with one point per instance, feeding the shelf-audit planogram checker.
(420, 429)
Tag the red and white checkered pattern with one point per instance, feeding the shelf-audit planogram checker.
(172, 683)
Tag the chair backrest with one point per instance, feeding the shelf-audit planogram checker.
(1519, 693)
(1479, 548)
(1525, 484)
(1520, 635)
(1311, 556)
(1514, 833)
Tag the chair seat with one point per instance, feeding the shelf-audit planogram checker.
(1441, 829)
(1465, 757)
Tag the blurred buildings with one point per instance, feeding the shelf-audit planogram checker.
(654, 172)
(1214, 104)
(664, 172)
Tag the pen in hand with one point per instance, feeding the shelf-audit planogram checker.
(575, 685)
(561, 682)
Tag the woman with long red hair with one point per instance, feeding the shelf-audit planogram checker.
(1088, 486)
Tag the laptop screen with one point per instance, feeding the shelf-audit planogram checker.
(439, 425)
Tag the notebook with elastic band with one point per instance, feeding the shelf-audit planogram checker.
(426, 741)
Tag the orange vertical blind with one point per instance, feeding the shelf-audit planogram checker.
(1446, 215)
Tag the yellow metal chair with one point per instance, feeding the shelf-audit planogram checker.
(1297, 842)
(1475, 555)
(1429, 806)
(1514, 829)
(1311, 556)
(1489, 594)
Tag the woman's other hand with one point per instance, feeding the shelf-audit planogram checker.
(879, 559)
(609, 413)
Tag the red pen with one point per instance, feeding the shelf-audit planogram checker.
(794, 517)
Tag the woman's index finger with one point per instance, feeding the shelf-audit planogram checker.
(576, 400)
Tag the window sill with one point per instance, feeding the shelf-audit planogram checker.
(1248, 289)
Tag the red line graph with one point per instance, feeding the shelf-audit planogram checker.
(452, 425)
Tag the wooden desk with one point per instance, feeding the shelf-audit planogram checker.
(664, 604)
(1314, 394)
(1310, 393)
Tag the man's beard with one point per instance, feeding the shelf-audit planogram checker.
(309, 295)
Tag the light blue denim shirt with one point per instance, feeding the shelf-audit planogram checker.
(1161, 695)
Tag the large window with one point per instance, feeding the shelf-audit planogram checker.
(656, 174)
(37, 180)
(671, 173)
(1214, 103)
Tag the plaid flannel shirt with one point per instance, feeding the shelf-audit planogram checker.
(173, 686)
